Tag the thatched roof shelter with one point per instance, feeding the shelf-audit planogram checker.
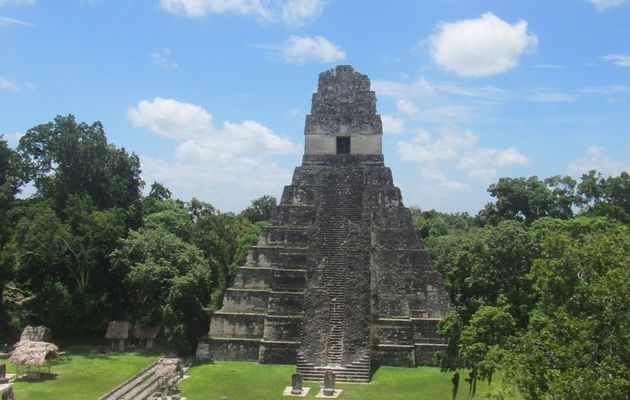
(118, 330)
(146, 333)
(35, 334)
(33, 353)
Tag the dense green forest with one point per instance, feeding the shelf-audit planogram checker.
(540, 283)
(539, 279)
(87, 247)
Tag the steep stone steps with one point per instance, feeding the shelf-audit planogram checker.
(164, 371)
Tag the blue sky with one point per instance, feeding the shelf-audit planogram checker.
(212, 94)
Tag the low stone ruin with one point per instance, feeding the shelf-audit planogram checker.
(35, 334)
(119, 333)
(147, 336)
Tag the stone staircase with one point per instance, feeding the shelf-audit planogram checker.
(163, 372)
(340, 208)
(357, 371)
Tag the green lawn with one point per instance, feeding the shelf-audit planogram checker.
(248, 380)
(81, 374)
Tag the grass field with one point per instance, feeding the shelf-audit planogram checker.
(82, 374)
(248, 380)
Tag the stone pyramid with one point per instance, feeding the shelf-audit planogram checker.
(339, 279)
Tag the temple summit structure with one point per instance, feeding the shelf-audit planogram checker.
(339, 280)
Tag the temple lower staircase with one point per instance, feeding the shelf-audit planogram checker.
(338, 225)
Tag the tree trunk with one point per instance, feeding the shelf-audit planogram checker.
(455, 381)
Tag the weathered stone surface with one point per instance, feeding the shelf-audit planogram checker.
(329, 384)
(203, 351)
(297, 383)
(339, 278)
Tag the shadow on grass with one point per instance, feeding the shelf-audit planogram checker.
(34, 377)
(373, 369)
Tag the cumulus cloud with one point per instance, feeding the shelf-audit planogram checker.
(480, 157)
(620, 60)
(442, 181)
(171, 119)
(392, 125)
(163, 59)
(597, 159)
(8, 84)
(480, 47)
(199, 8)
(292, 12)
(296, 12)
(228, 166)
(301, 49)
(606, 4)
(449, 145)
(407, 106)
(457, 150)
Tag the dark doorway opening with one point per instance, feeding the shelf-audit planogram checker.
(343, 145)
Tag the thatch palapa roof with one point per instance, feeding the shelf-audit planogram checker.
(118, 330)
(35, 334)
(146, 333)
(33, 353)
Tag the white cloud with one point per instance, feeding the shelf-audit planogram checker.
(227, 181)
(620, 60)
(482, 158)
(199, 8)
(229, 163)
(418, 88)
(163, 59)
(449, 145)
(392, 125)
(442, 181)
(296, 12)
(606, 4)
(298, 49)
(456, 150)
(171, 119)
(291, 12)
(597, 159)
(4, 21)
(407, 106)
(8, 84)
(12, 138)
(480, 47)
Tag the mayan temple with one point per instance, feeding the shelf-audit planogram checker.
(339, 279)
